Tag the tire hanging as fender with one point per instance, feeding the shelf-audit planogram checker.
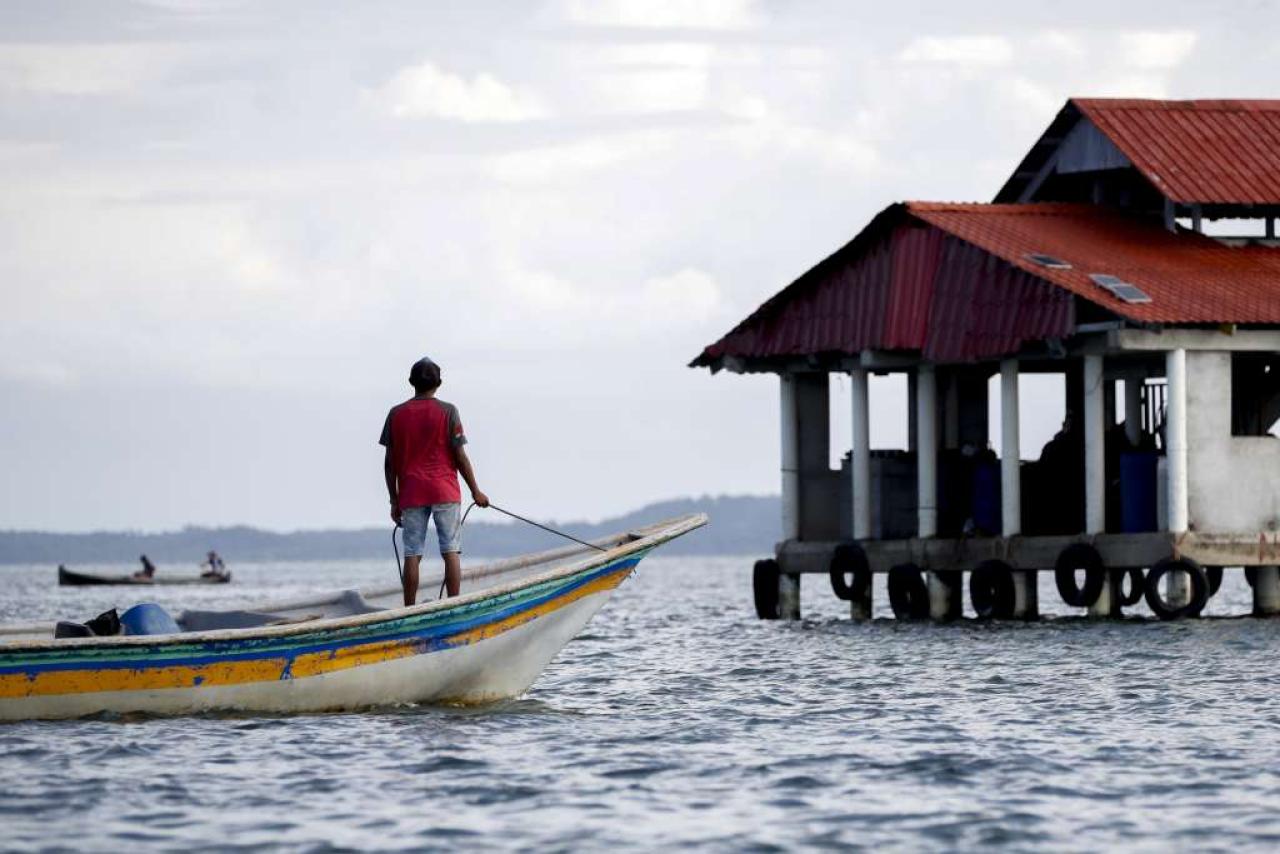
(764, 586)
(850, 559)
(1214, 574)
(908, 593)
(1079, 556)
(991, 590)
(1199, 588)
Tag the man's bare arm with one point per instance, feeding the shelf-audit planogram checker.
(389, 472)
(469, 475)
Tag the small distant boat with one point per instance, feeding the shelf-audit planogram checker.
(336, 652)
(70, 578)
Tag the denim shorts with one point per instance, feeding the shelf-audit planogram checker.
(413, 522)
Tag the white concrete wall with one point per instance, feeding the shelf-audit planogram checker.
(1233, 481)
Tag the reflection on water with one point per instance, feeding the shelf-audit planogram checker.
(678, 718)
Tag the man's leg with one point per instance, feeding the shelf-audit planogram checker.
(411, 563)
(449, 532)
(452, 572)
(413, 532)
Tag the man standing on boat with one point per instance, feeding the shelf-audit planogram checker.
(425, 454)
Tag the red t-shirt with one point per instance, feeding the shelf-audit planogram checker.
(421, 434)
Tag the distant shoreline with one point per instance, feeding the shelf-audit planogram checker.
(739, 525)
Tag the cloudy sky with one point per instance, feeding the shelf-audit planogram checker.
(227, 228)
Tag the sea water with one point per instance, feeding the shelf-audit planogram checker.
(678, 718)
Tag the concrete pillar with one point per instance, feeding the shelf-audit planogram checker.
(790, 429)
(860, 608)
(1175, 436)
(1106, 605)
(946, 595)
(912, 408)
(1266, 591)
(927, 451)
(1177, 589)
(1026, 599)
(860, 458)
(1095, 482)
(789, 596)
(1010, 461)
(1133, 409)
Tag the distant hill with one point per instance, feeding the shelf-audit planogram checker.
(739, 525)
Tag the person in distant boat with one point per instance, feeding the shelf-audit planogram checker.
(213, 566)
(148, 568)
(425, 454)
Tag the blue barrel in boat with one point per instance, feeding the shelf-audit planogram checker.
(987, 513)
(148, 618)
(1138, 491)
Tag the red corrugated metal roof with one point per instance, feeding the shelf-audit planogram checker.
(902, 285)
(953, 282)
(1192, 279)
(1209, 152)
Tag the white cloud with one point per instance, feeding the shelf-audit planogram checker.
(1157, 50)
(959, 50)
(688, 297)
(675, 14)
(1065, 44)
(654, 90)
(84, 69)
(558, 162)
(661, 77)
(1030, 96)
(839, 150)
(37, 372)
(427, 91)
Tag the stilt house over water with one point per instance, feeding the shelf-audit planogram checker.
(1091, 263)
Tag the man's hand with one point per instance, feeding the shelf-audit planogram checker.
(395, 512)
(480, 498)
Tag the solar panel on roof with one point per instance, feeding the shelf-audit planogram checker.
(1048, 261)
(1119, 288)
(1130, 293)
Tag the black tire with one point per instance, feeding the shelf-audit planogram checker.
(1079, 556)
(1136, 588)
(1214, 574)
(764, 585)
(908, 594)
(1199, 589)
(991, 590)
(850, 559)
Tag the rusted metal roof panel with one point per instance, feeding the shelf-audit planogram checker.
(903, 284)
(1192, 279)
(955, 283)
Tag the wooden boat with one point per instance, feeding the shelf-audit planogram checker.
(70, 578)
(485, 645)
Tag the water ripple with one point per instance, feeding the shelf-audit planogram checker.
(679, 719)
